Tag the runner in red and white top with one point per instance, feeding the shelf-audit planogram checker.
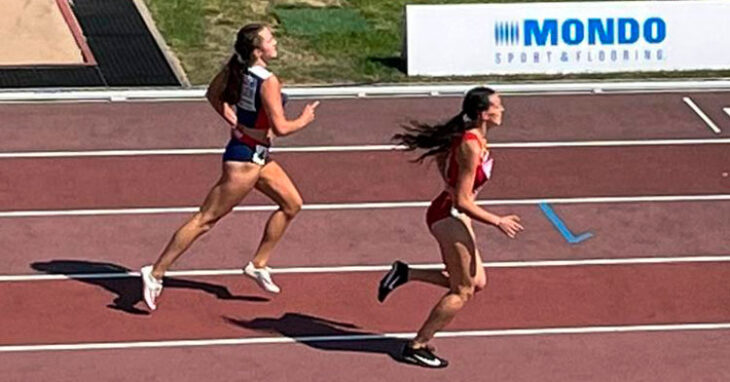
(461, 150)
(443, 205)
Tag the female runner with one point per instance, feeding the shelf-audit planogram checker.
(460, 148)
(249, 98)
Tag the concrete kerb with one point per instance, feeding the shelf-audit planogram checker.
(177, 94)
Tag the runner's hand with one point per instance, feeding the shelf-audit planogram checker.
(510, 225)
(308, 112)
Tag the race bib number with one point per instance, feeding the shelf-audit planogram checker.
(260, 155)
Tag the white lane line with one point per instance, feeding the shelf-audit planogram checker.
(198, 93)
(381, 268)
(702, 115)
(361, 206)
(351, 148)
(646, 142)
(727, 111)
(368, 337)
(107, 153)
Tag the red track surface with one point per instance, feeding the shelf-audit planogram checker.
(109, 310)
(684, 229)
(69, 183)
(95, 126)
(518, 298)
(676, 356)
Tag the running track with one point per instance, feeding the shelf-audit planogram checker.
(645, 298)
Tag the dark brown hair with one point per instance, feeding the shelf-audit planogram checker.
(436, 139)
(247, 40)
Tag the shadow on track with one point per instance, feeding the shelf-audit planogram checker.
(302, 328)
(127, 288)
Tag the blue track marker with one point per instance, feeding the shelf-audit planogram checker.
(553, 217)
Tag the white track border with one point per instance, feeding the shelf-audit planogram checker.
(697, 259)
(176, 94)
(354, 148)
(364, 205)
(367, 337)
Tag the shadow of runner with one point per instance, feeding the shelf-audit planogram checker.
(299, 326)
(127, 288)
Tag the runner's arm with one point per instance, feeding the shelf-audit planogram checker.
(468, 159)
(271, 98)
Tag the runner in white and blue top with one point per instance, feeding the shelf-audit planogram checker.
(251, 114)
(249, 108)
(249, 99)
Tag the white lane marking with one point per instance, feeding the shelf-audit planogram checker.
(352, 148)
(107, 153)
(361, 206)
(727, 111)
(381, 268)
(702, 115)
(198, 93)
(368, 337)
(646, 142)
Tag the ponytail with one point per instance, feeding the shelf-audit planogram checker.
(432, 138)
(234, 80)
(247, 40)
(436, 139)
